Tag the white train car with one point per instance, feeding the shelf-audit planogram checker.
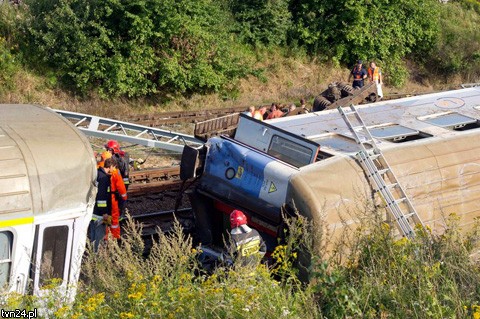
(47, 194)
(432, 143)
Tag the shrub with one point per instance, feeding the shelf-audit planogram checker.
(9, 19)
(262, 22)
(137, 48)
(381, 30)
(457, 50)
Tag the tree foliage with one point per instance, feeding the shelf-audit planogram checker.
(261, 22)
(345, 30)
(457, 49)
(136, 48)
(148, 47)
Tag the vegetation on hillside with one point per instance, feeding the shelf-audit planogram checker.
(381, 276)
(118, 48)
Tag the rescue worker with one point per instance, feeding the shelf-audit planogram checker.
(122, 159)
(118, 193)
(118, 201)
(250, 111)
(103, 203)
(247, 242)
(359, 74)
(260, 113)
(375, 75)
(274, 112)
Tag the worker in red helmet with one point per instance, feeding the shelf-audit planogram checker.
(119, 198)
(248, 244)
(122, 159)
(102, 215)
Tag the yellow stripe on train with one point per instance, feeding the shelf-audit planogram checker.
(16, 222)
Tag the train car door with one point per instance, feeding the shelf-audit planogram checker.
(52, 257)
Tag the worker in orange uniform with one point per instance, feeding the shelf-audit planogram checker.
(375, 75)
(275, 112)
(102, 211)
(118, 193)
(122, 159)
(119, 200)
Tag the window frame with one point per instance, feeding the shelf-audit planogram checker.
(9, 260)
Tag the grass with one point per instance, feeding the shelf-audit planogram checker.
(430, 276)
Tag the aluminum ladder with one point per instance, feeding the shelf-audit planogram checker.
(381, 175)
(107, 128)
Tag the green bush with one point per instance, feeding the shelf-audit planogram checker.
(262, 22)
(457, 49)
(125, 48)
(381, 30)
(9, 20)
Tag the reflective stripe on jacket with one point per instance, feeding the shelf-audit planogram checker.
(103, 199)
(374, 74)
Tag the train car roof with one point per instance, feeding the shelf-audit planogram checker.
(430, 115)
(46, 164)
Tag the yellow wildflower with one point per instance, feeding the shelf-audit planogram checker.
(126, 315)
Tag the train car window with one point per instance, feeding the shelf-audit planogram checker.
(54, 252)
(290, 152)
(452, 121)
(339, 143)
(397, 133)
(6, 242)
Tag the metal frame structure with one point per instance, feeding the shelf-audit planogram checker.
(127, 132)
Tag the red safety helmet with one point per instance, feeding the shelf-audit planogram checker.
(237, 218)
(113, 145)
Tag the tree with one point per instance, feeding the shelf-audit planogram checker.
(261, 22)
(345, 30)
(136, 48)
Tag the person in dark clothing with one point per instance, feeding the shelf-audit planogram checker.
(122, 159)
(248, 245)
(103, 203)
(359, 74)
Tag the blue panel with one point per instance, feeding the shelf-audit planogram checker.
(243, 185)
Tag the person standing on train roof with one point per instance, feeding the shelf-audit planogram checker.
(122, 159)
(118, 201)
(103, 203)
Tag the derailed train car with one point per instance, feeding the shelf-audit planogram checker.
(432, 143)
(47, 193)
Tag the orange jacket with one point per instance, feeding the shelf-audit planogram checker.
(374, 74)
(119, 196)
(118, 189)
(275, 114)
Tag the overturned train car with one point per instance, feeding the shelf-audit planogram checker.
(47, 191)
(432, 143)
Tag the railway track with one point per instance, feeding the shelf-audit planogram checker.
(165, 118)
(152, 181)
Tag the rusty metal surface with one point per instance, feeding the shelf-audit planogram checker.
(182, 116)
(221, 125)
(357, 98)
(156, 174)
